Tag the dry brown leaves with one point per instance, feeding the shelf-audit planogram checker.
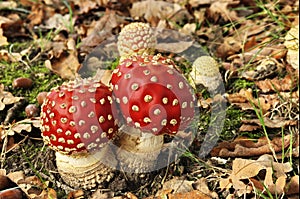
(292, 44)
(6, 98)
(269, 103)
(63, 59)
(263, 174)
(245, 147)
(7, 132)
(179, 188)
(100, 30)
(153, 11)
(32, 186)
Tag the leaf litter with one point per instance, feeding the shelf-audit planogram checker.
(229, 31)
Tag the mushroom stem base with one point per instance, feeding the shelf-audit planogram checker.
(137, 151)
(86, 170)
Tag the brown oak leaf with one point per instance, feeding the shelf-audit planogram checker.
(245, 147)
(244, 169)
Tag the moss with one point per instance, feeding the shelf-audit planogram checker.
(232, 123)
(43, 79)
(239, 84)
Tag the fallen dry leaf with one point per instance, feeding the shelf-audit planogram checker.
(230, 46)
(266, 67)
(245, 100)
(195, 194)
(246, 169)
(288, 83)
(100, 31)
(3, 39)
(271, 123)
(64, 63)
(258, 53)
(176, 185)
(293, 186)
(6, 98)
(221, 9)
(245, 147)
(32, 186)
(153, 10)
(100, 194)
(201, 185)
(292, 44)
(60, 22)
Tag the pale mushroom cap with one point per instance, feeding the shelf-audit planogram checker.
(136, 37)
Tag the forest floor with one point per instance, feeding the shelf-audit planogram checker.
(256, 45)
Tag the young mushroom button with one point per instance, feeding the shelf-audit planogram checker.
(136, 37)
(77, 122)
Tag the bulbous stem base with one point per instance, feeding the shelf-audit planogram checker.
(86, 170)
(137, 151)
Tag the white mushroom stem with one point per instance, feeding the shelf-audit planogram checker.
(137, 151)
(87, 170)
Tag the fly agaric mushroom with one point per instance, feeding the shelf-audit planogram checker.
(77, 122)
(154, 99)
(136, 37)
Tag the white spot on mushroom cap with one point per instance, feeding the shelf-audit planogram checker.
(110, 130)
(127, 76)
(125, 100)
(134, 86)
(154, 79)
(81, 122)
(103, 135)
(61, 140)
(83, 104)
(128, 119)
(173, 122)
(72, 109)
(164, 122)
(63, 120)
(61, 94)
(59, 130)
(156, 111)
(165, 100)
(63, 106)
(146, 72)
(91, 114)
(72, 123)
(70, 141)
(180, 85)
(135, 108)
(101, 119)
(148, 98)
(68, 132)
(86, 135)
(94, 128)
(93, 100)
(175, 102)
(184, 105)
(147, 120)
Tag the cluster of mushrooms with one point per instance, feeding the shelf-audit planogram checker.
(147, 98)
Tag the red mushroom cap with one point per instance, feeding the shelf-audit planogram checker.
(78, 116)
(152, 94)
